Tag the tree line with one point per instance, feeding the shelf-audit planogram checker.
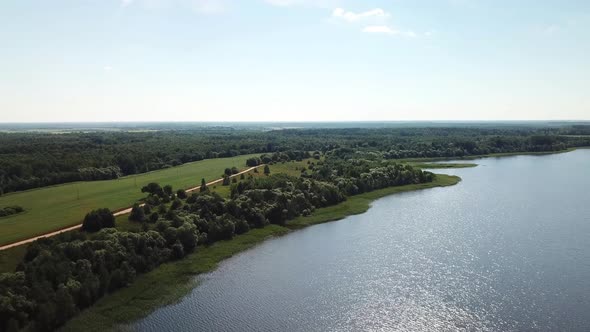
(31, 160)
(62, 275)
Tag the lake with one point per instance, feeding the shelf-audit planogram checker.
(506, 249)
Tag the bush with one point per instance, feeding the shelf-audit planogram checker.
(242, 226)
(181, 193)
(97, 220)
(251, 162)
(154, 217)
(137, 213)
(176, 204)
(10, 210)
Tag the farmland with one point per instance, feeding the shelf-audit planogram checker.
(51, 208)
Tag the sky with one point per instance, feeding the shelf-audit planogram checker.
(294, 60)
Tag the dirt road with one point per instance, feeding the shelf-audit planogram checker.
(116, 213)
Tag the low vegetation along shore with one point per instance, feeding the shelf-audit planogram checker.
(155, 289)
(112, 268)
(442, 165)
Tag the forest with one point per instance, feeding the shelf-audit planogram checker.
(36, 159)
(62, 275)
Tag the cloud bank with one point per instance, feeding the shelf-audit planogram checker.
(349, 16)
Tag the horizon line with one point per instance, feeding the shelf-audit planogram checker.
(290, 121)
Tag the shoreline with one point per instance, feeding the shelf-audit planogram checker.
(155, 289)
(490, 155)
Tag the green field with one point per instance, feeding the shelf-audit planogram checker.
(52, 208)
(9, 258)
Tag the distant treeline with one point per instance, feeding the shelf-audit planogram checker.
(31, 160)
(62, 275)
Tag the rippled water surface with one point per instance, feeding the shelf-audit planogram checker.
(506, 249)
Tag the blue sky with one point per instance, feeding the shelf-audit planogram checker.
(293, 60)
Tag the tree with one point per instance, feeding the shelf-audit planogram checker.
(65, 305)
(97, 220)
(227, 171)
(251, 162)
(188, 236)
(266, 159)
(177, 250)
(176, 204)
(154, 217)
(137, 213)
(162, 209)
(241, 226)
(204, 187)
(266, 170)
(220, 229)
(181, 193)
(167, 189)
(153, 189)
(226, 180)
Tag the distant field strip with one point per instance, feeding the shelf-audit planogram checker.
(58, 207)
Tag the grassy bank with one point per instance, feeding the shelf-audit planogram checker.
(490, 155)
(170, 282)
(164, 285)
(361, 203)
(52, 208)
(443, 165)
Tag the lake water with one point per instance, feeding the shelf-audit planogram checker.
(507, 249)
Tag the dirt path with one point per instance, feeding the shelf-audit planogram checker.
(116, 214)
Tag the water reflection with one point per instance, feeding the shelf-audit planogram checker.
(504, 250)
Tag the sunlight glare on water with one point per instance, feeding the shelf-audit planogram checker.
(505, 250)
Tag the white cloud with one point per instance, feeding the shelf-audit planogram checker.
(387, 30)
(373, 14)
(376, 20)
(107, 68)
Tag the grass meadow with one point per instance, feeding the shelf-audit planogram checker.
(52, 208)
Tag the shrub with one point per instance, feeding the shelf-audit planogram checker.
(97, 220)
